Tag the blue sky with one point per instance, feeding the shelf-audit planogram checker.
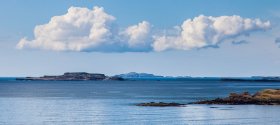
(258, 56)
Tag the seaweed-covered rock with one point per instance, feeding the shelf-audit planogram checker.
(264, 97)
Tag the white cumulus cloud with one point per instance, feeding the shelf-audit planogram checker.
(207, 31)
(82, 29)
(137, 34)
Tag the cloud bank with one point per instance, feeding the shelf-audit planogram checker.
(87, 30)
(207, 31)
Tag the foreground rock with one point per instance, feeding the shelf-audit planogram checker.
(160, 104)
(73, 76)
(264, 97)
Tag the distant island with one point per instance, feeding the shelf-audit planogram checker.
(83, 76)
(73, 76)
(254, 79)
(148, 76)
(135, 76)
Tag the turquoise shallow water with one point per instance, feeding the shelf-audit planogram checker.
(112, 102)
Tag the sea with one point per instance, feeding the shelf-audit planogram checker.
(114, 103)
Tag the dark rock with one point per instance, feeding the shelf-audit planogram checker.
(116, 78)
(160, 104)
(264, 97)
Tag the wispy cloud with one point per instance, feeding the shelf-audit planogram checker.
(277, 41)
(239, 42)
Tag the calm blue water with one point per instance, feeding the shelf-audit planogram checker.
(112, 102)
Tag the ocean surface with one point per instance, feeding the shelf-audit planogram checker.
(113, 103)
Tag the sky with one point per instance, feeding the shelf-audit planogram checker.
(165, 37)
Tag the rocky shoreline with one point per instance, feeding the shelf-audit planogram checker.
(264, 97)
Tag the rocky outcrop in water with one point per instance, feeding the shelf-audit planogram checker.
(264, 97)
(160, 104)
(74, 76)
